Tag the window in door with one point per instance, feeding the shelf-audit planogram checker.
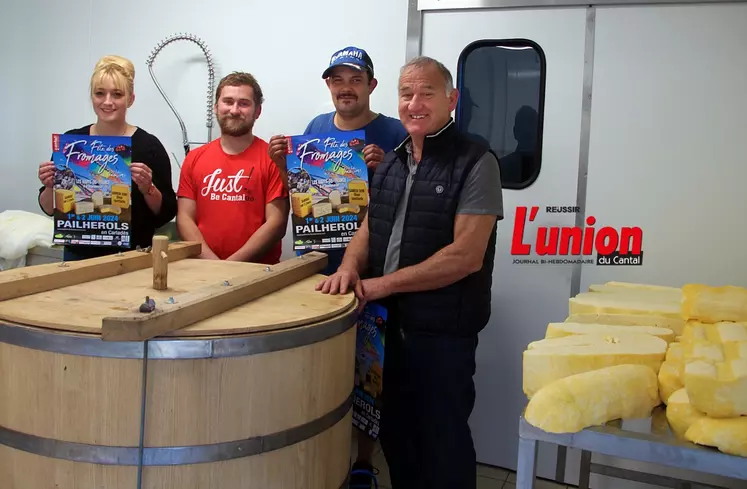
(501, 102)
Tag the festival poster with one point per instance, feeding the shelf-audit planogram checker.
(328, 182)
(369, 369)
(92, 190)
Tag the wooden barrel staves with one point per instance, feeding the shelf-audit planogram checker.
(255, 396)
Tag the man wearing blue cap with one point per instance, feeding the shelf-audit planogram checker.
(350, 79)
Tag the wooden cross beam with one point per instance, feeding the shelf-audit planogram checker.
(210, 301)
(20, 282)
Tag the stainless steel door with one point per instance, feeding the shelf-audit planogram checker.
(525, 296)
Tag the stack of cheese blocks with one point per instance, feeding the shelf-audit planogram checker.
(626, 348)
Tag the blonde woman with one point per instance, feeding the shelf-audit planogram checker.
(153, 196)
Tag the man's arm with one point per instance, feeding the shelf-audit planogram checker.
(268, 234)
(480, 206)
(450, 264)
(277, 150)
(356, 252)
(354, 262)
(187, 228)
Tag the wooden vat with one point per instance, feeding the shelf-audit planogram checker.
(256, 397)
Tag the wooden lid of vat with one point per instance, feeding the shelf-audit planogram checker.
(82, 307)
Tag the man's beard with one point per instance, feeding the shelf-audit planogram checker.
(234, 126)
(354, 109)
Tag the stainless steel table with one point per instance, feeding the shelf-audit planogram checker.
(656, 446)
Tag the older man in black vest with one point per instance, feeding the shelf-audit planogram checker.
(425, 252)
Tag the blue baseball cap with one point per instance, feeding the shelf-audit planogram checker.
(353, 57)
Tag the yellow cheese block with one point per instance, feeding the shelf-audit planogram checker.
(728, 435)
(593, 398)
(357, 192)
(669, 380)
(110, 209)
(693, 330)
(720, 332)
(632, 304)
(557, 330)
(643, 287)
(727, 332)
(349, 209)
(718, 342)
(121, 195)
(548, 360)
(713, 304)
(702, 350)
(681, 414)
(84, 207)
(64, 199)
(321, 209)
(670, 373)
(735, 350)
(675, 324)
(645, 292)
(718, 389)
(301, 204)
(675, 352)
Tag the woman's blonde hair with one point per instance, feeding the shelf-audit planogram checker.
(120, 70)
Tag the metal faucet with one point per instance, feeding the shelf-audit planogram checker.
(211, 82)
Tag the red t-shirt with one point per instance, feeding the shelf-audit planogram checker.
(231, 192)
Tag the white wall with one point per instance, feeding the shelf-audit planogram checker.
(13, 98)
(285, 44)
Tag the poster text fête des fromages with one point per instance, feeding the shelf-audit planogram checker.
(328, 183)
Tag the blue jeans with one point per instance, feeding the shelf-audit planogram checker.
(334, 259)
(428, 397)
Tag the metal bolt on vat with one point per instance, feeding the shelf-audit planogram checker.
(148, 306)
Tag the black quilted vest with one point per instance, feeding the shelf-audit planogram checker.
(462, 308)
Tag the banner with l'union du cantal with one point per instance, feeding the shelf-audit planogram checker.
(92, 190)
(328, 186)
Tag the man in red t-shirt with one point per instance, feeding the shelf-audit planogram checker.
(231, 195)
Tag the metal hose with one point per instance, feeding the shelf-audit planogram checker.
(211, 82)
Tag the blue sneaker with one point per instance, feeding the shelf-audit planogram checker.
(363, 476)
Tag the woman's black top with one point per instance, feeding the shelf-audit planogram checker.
(146, 149)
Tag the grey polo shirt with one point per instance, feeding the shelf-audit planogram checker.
(481, 194)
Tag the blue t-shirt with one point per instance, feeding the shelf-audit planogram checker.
(385, 132)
